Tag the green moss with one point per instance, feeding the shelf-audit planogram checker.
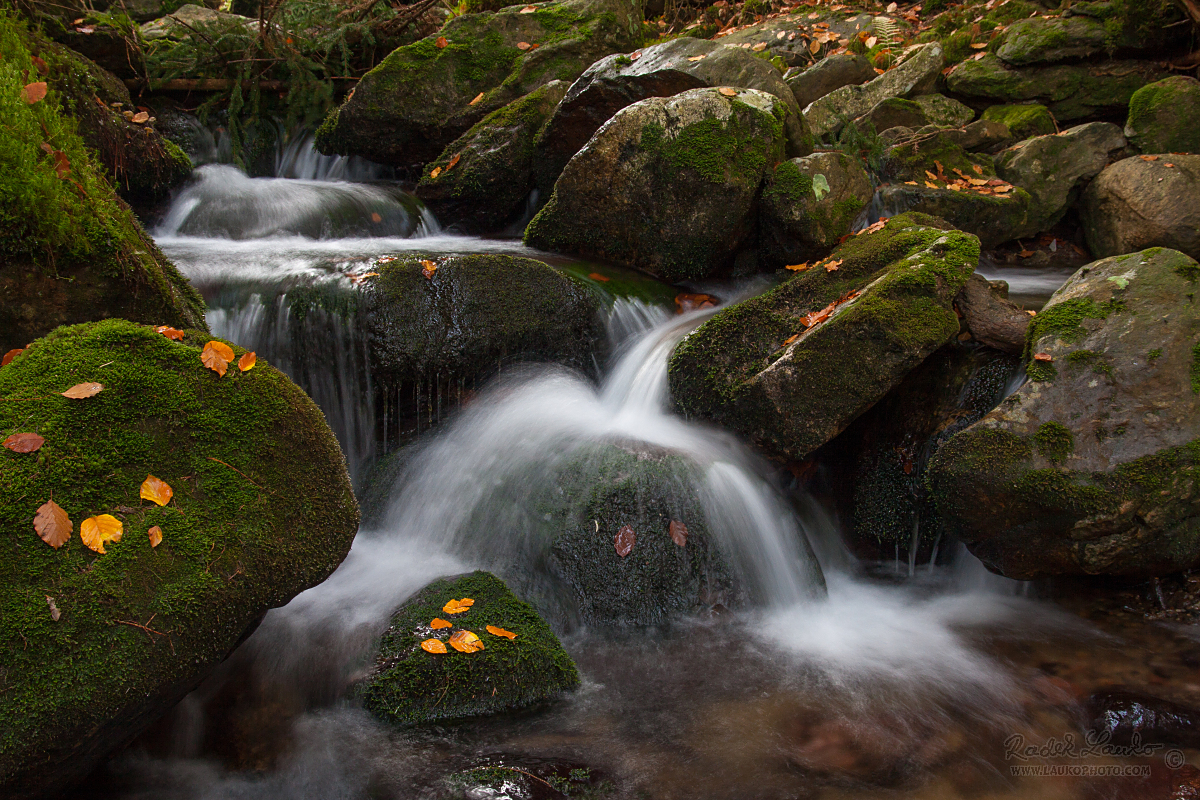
(715, 149)
(789, 185)
(1054, 441)
(1189, 271)
(1195, 371)
(410, 686)
(1022, 120)
(1154, 354)
(1063, 320)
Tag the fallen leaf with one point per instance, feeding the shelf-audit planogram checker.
(596, 276)
(1002, 189)
(817, 317)
(439, 623)
(727, 91)
(216, 356)
(528, 9)
(978, 168)
(478, 97)
(832, 265)
(24, 442)
(697, 58)
(797, 267)
(931, 185)
(523, 45)
(435, 172)
(222, 349)
(81, 391)
(156, 491)
(911, 183)
(10, 355)
(791, 339)
(248, 360)
(33, 92)
(86, 29)
(466, 601)
(687, 301)
(95, 531)
(40, 64)
(453, 161)
(624, 541)
(978, 45)
(465, 642)
(1168, 164)
(1025, 254)
(169, 332)
(758, 48)
(52, 524)
(457, 606)
(155, 534)
(814, 47)
(428, 268)
(441, 42)
(54, 612)
(677, 529)
(891, 8)
(62, 165)
(1144, 158)
(433, 646)
(494, 631)
(977, 181)
(376, 217)
(871, 41)
(140, 117)
(1042, 357)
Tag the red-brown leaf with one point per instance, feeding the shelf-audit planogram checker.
(10, 355)
(24, 442)
(624, 541)
(1042, 357)
(33, 92)
(52, 524)
(679, 532)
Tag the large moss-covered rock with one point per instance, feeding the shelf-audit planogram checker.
(757, 369)
(916, 74)
(98, 646)
(1164, 117)
(422, 97)
(808, 204)
(1138, 203)
(1045, 40)
(411, 686)
(663, 70)
(1092, 467)
(1070, 91)
(70, 249)
(493, 165)
(668, 185)
(1023, 120)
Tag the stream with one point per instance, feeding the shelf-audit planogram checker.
(830, 679)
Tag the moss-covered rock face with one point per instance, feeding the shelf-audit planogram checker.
(1164, 117)
(668, 185)
(1070, 91)
(808, 204)
(945, 112)
(262, 509)
(492, 172)
(70, 249)
(1138, 203)
(757, 369)
(1092, 467)
(1045, 40)
(422, 97)
(1023, 120)
(411, 686)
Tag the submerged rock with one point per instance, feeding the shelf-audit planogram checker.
(668, 185)
(915, 74)
(1091, 467)
(1148, 201)
(760, 368)
(411, 686)
(1125, 717)
(98, 646)
(1164, 117)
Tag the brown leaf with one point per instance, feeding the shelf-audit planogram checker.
(465, 642)
(10, 355)
(433, 646)
(678, 532)
(1025, 254)
(523, 45)
(832, 265)
(1143, 158)
(40, 64)
(33, 92)
(156, 491)
(1042, 357)
(494, 631)
(248, 360)
(169, 332)
(624, 541)
(817, 317)
(428, 268)
(95, 531)
(453, 161)
(215, 359)
(596, 276)
(24, 442)
(727, 91)
(439, 623)
(52, 524)
(758, 48)
(791, 339)
(81, 391)
(55, 614)
(478, 97)
(140, 117)
(978, 168)
(441, 43)
(155, 534)
(528, 9)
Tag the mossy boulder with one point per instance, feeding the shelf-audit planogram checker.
(262, 510)
(70, 249)
(895, 112)
(1045, 40)
(1070, 91)
(422, 97)
(1138, 203)
(758, 369)
(917, 73)
(663, 70)
(668, 185)
(410, 686)
(1093, 466)
(808, 204)
(493, 163)
(830, 73)
(1164, 117)
(1023, 120)
(945, 112)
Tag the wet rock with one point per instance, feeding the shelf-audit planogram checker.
(830, 73)
(1123, 717)
(808, 204)
(990, 317)
(492, 175)
(1023, 120)
(1164, 117)
(669, 184)
(1070, 91)
(1138, 203)
(422, 97)
(1054, 168)
(916, 74)
(410, 686)
(1045, 40)
(757, 369)
(663, 70)
(1091, 467)
(262, 509)
(793, 50)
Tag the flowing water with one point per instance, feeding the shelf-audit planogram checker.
(821, 683)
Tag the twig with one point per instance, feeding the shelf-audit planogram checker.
(139, 625)
(239, 472)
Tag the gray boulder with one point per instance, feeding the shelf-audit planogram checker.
(916, 73)
(1164, 117)
(788, 37)
(945, 112)
(1045, 40)
(990, 317)
(1147, 201)
(808, 204)
(830, 73)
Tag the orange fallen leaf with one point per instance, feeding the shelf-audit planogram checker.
(1025, 254)
(832, 265)
(95, 531)
(1168, 164)
(1042, 357)
(155, 534)
(528, 9)
(222, 349)
(33, 92)
(465, 642)
(439, 623)
(978, 168)
(62, 165)
(376, 217)
(466, 601)
(10, 355)
(697, 58)
(42, 68)
(817, 317)
(248, 360)
(791, 339)
(931, 185)
(689, 301)
(1144, 158)
(169, 332)
(81, 391)
(441, 43)
(453, 161)
(1003, 189)
(523, 45)
(24, 442)
(478, 97)
(677, 529)
(458, 606)
(140, 117)
(216, 356)
(435, 172)
(52, 524)
(156, 491)
(494, 631)
(728, 92)
(433, 646)
(428, 268)
(624, 541)
(797, 267)
(596, 276)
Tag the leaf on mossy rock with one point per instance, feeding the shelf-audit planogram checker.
(458, 606)
(679, 532)
(55, 614)
(52, 524)
(216, 356)
(453, 161)
(686, 301)
(169, 332)
(428, 268)
(441, 43)
(1042, 357)
(156, 490)
(465, 641)
(96, 531)
(33, 92)
(247, 361)
(155, 534)
(494, 631)
(727, 91)
(624, 541)
(24, 442)
(82, 391)
(433, 646)
(10, 355)
(439, 623)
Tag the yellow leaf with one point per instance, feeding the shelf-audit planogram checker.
(466, 601)
(221, 349)
(433, 646)
(52, 524)
(248, 360)
(697, 58)
(910, 183)
(465, 642)
(494, 631)
(155, 536)
(797, 267)
(478, 97)
(758, 48)
(727, 91)
(814, 47)
(156, 491)
(428, 268)
(436, 171)
(455, 606)
(439, 623)
(95, 531)
(931, 184)
(81, 391)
